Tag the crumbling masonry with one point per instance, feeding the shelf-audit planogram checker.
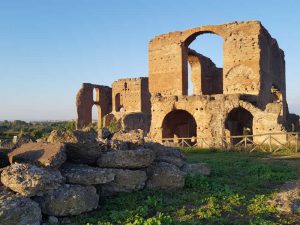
(246, 96)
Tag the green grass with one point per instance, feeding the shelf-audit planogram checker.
(237, 192)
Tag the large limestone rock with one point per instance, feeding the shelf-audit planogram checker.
(30, 180)
(69, 200)
(134, 138)
(86, 175)
(18, 210)
(81, 146)
(132, 159)
(125, 181)
(196, 169)
(165, 176)
(44, 154)
(57, 136)
(23, 139)
(179, 162)
(163, 151)
(167, 154)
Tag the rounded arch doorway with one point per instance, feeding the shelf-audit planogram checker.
(239, 122)
(179, 124)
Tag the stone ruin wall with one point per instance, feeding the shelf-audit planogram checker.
(207, 79)
(252, 78)
(168, 56)
(85, 102)
(210, 113)
(127, 102)
(133, 95)
(253, 74)
(273, 85)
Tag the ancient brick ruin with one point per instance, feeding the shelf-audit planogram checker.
(246, 96)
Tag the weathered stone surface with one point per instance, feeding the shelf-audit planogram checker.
(179, 162)
(84, 153)
(23, 139)
(18, 210)
(30, 180)
(167, 154)
(287, 200)
(163, 151)
(44, 154)
(137, 120)
(86, 175)
(125, 181)
(197, 169)
(69, 200)
(132, 159)
(81, 146)
(130, 95)
(57, 136)
(134, 138)
(165, 176)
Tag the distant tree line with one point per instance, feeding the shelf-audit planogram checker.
(36, 129)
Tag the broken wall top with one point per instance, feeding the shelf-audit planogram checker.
(168, 58)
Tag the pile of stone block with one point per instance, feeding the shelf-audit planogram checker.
(68, 174)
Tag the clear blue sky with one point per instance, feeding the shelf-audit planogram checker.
(48, 48)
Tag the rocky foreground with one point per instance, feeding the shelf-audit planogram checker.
(66, 176)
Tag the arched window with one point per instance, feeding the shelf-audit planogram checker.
(204, 65)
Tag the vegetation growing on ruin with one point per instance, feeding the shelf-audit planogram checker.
(237, 192)
(114, 126)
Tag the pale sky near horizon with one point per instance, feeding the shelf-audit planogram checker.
(48, 48)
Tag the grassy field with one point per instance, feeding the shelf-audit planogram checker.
(237, 192)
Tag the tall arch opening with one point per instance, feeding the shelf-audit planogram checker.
(96, 117)
(204, 65)
(118, 102)
(180, 124)
(239, 122)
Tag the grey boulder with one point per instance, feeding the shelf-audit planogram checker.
(86, 175)
(81, 146)
(18, 210)
(30, 180)
(125, 181)
(44, 154)
(131, 159)
(69, 200)
(134, 138)
(165, 176)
